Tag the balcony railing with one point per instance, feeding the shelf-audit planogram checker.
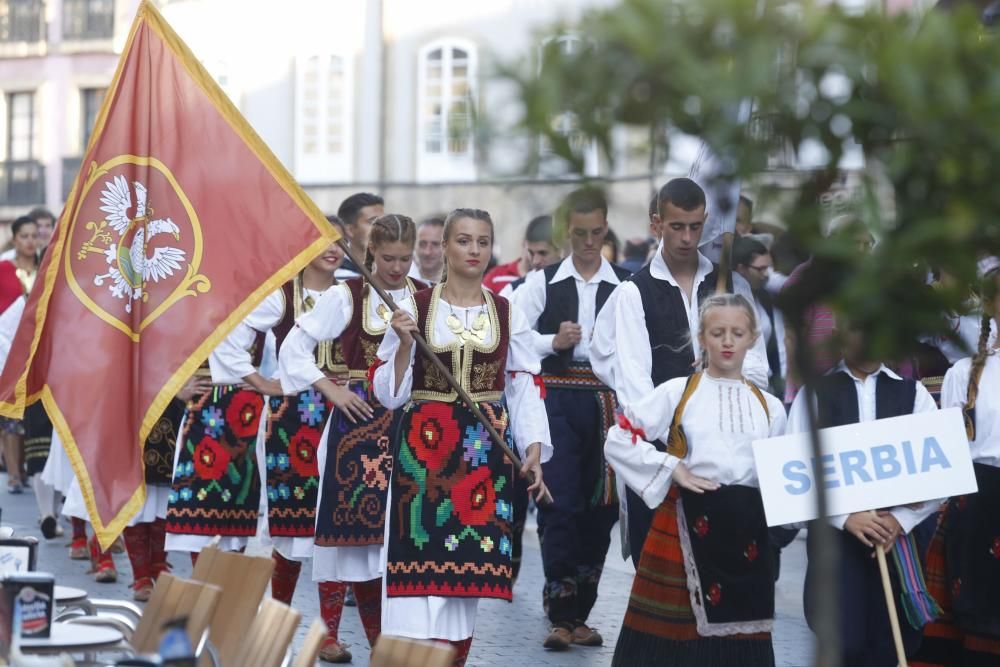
(22, 183)
(22, 21)
(88, 19)
(70, 167)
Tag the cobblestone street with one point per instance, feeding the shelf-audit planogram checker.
(506, 634)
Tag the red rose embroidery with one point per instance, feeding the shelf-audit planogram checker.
(474, 498)
(751, 552)
(714, 594)
(701, 526)
(433, 434)
(243, 413)
(995, 548)
(210, 459)
(302, 452)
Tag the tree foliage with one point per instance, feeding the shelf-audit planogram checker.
(920, 95)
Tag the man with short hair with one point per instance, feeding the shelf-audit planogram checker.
(561, 303)
(752, 260)
(428, 264)
(647, 333)
(45, 222)
(358, 212)
(537, 251)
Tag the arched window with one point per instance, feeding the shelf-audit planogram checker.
(446, 83)
(323, 114)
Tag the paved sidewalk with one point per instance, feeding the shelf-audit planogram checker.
(507, 635)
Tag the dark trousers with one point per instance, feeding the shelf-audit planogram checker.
(865, 633)
(575, 532)
(640, 518)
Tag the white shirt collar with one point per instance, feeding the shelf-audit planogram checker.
(568, 270)
(842, 367)
(659, 269)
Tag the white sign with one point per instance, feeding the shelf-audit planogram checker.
(877, 464)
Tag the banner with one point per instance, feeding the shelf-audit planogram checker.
(179, 223)
(877, 464)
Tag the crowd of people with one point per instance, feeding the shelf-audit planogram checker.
(318, 424)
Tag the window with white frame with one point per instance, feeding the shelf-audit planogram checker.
(446, 84)
(323, 115)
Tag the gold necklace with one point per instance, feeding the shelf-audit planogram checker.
(480, 326)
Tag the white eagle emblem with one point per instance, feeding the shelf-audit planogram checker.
(130, 268)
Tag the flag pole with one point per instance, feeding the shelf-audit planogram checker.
(498, 440)
(890, 603)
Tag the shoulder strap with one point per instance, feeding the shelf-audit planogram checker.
(677, 444)
(755, 390)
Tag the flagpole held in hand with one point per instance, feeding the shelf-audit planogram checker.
(498, 440)
(890, 603)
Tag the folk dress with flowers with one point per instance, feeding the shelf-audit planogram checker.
(449, 528)
(216, 483)
(353, 459)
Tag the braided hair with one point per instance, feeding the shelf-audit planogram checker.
(461, 214)
(388, 229)
(990, 288)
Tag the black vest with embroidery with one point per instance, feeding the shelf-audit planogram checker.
(562, 304)
(667, 323)
(837, 399)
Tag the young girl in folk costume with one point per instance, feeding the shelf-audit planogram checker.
(354, 457)
(963, 562)
(448, 534)
(703, 593)
(216, 485)
(17, 277)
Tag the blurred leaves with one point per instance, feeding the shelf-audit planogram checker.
(920, 94)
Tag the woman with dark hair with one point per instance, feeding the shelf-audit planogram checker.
(17, 276)
(353, 459)
(448, 533)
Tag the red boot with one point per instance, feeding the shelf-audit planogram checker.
(157, 540)
(78, 547)
(284, 578)
(331, 607)
(102, 564)
(369, 595)
(137, 545)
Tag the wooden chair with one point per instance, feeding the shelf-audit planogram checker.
(265, 642)
(401, 652)
(172, 598)
(243, 581)
(310, 647)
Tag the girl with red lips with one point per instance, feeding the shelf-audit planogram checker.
(353, 457)
(448, 533)
(701, 553)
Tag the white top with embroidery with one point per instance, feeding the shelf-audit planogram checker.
(297, 370)
(721, 420)
(231, 361)
(528, 420)
(986, 447)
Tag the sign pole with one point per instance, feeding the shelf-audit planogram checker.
(890, 603)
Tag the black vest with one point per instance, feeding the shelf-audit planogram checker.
(667, 323)
(562, 304)
(837, 399)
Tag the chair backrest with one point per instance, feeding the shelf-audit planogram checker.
(243, 580)
(401, 652)
(265, 643)
(311, 646)
(173, 598)
(18, 554)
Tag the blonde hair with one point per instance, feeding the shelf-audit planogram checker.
(726, 301)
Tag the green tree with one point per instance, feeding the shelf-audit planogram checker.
(919, 94)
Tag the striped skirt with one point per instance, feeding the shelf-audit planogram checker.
(660, 627)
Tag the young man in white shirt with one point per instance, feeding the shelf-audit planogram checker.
(561, 303)
(428, 258)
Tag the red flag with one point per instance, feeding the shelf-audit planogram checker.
(180, 222)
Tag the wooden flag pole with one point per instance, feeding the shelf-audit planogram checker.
(725, 263)
(890, 603)
(449, 378)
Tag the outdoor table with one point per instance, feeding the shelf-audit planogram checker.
(70, 638)
(67, 597)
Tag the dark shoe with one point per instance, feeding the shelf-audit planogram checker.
(559, 639)
(334, 651)
(349, 599)
(587, 636)
(49, 526)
